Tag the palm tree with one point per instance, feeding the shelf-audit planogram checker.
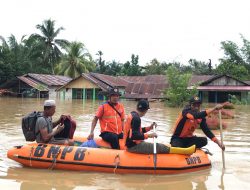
(76, 61)
(51, 51)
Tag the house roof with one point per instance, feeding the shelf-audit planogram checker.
(220, 76)
(145, 79)
(110, 80)
(197, 79)
(33, 83)
(50, 80)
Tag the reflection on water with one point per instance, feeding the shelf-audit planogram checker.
(14, 176)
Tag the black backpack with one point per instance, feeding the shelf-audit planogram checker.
(29, 125)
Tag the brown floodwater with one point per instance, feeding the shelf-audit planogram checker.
(14, 176)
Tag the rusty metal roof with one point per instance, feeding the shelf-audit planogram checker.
(220, 76)
(247, 81)
(145, 79)
(50, 80)
(111, 80)
(33, 83)
(197, 79)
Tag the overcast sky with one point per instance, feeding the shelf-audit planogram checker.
(169, 30)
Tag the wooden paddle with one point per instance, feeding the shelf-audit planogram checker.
(221, 137)
(155, 151)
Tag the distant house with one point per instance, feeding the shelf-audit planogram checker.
(147, 87)
(37, 85)
(219, 88)
(211, 88)
(90, 86)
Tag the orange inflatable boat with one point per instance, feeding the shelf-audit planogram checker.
(105, 160)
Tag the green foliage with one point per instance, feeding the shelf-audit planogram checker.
(235, 100)
(236, 61)
(156, 68)
(76, 61)
(199, 67)
(132, 68)
(238, 71)
(177, 93)
(50, 46)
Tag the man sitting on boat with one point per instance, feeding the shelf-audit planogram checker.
(188, 121)
(46, 129)
(111, 116)
(134, 134)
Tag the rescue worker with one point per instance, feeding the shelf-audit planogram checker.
(111, 116)
(134, 134)
(190, 118)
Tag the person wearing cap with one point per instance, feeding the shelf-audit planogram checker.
(111, 116)
(46, 129)
(189, 119)
(134, 134)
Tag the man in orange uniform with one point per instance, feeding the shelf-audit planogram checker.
(134, 134)
(188, 121)
(111, 115)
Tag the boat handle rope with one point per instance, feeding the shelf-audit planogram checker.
(207, 151)
(116, 162)
(54, 156)
(31, 152)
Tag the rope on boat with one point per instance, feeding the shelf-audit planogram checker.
(116, 162)
(31, 152)
(54, 156)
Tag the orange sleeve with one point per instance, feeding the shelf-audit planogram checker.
(190, 116)
(100, 111)
(214, 139)
(123, 113)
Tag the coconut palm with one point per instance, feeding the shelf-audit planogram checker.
(51, 51)
(76, 61)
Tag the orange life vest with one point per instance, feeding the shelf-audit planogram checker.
(188, 125)
(111, 121)
(127, 132)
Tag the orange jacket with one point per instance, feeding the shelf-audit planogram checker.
(133, 132)
(110, 120)
(188, 121)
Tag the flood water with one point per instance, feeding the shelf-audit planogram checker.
(14, 176)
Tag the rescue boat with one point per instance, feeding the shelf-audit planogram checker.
(50, 156)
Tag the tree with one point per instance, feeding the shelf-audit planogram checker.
(238, 71)
(177, 93)
(100, 64)
(76, 61)
(113, 68)
(156, 68)
(132, 68)
(236, 60)
(199, 67)
(50, 45)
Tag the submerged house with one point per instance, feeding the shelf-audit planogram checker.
(37, 85)
(90, 86)
(146, 87)
(211, 88)
(220, 88)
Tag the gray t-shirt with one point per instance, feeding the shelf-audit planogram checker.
(41, 123)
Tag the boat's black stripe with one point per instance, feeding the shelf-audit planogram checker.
(112, 166)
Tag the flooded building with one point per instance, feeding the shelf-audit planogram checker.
(146, 87)
(91, 86)
(37, 85)
(220, 88)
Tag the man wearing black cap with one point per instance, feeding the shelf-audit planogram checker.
(188, 121)
(134, 135)
(111, 116)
